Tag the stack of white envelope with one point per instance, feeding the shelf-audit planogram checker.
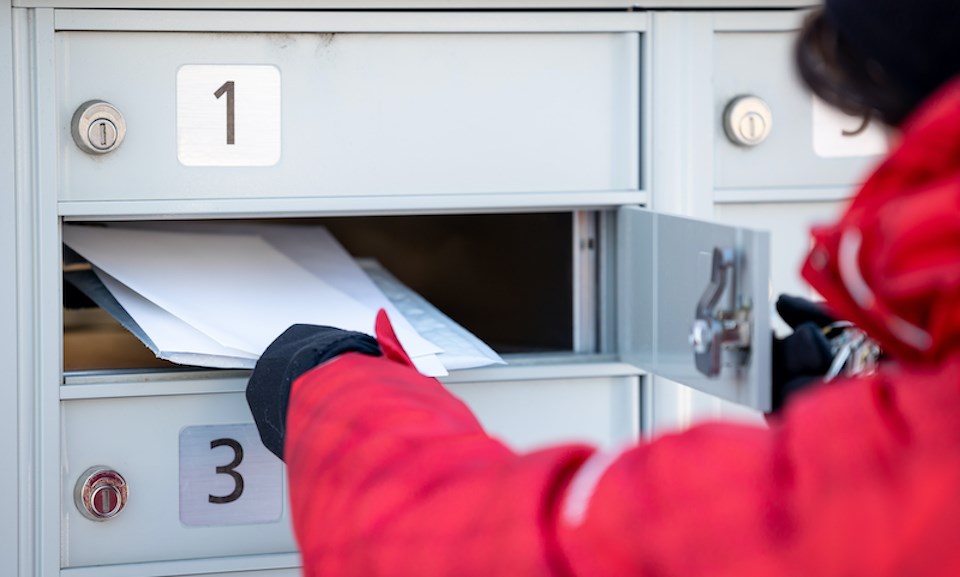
(217, 294)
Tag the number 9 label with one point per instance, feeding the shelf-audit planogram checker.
(227, 477)
(838, 135)
(228, 115)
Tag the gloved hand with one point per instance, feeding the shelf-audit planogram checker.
(296, 351)
(804, 357)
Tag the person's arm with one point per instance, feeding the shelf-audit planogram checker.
(391, 475)
(711, 501)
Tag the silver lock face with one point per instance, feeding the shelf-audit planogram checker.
(98, 127)
(100, 493)
(717, 330)
(747, 120)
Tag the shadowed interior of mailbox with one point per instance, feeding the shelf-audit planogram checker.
(507, 278)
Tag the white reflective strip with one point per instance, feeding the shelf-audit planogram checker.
(848, 255)
(573, 510)
(910, 333)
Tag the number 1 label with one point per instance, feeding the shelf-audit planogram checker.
(228, 115)
(227, 477)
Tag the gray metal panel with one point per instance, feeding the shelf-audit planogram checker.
(139, 437)
(346, 206)
(721, 4)
(636, 287)
(280, 565)
(22, 295)
(354, 21)
(9, 421)
(660, 289)
(681, 118)
(767, 21)
(421, 4)
(329, 4)
(602, 411)
(680, 47)
(760, 63)
(149, 383)
(369, 114)
(38, 278)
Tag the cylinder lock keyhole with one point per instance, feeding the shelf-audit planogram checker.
(102, 134)
(98, 127)
(747, 120)
(100, 493)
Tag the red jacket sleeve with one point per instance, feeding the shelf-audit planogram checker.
(390, 475)
(858, 479)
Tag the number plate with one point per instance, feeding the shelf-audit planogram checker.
(227, 477)
(228, 115)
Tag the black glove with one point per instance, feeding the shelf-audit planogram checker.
(296, 351)
(804, 357)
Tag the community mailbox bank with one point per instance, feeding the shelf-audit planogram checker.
(587, 186)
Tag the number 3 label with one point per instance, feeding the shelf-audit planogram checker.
(227, 477)
(228, 115)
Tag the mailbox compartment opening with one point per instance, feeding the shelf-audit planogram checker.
(516, 281)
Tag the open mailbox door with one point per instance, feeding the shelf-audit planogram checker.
(693, 303)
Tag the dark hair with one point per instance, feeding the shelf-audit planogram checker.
(838, 74)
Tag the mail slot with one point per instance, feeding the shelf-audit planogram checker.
(507, 278)
(541, 285)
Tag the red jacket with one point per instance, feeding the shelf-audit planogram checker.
(390, 475)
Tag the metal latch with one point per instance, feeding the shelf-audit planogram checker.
(716, 330)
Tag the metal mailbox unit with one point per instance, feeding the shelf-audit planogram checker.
(542, 129)
(799, 169)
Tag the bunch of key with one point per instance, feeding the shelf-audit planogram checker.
(854, 353)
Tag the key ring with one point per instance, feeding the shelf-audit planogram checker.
(853, 352)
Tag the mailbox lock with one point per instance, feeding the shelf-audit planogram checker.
(716, 328)
(100, 493)
(98, 127)
(747, 120)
